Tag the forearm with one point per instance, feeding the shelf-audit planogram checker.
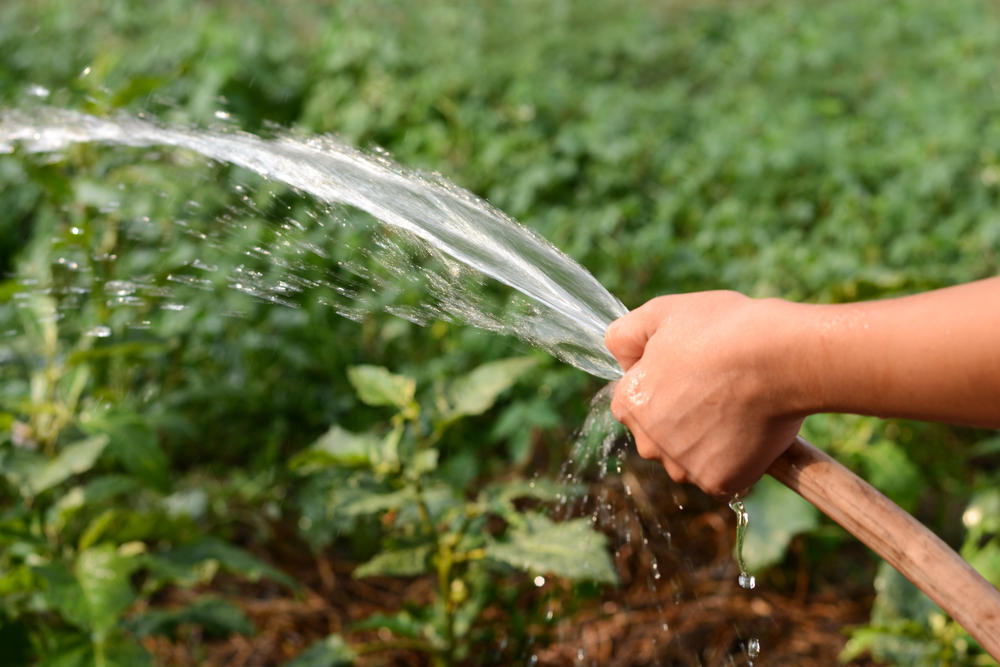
(933, 356)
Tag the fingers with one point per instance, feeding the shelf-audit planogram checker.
(627, 397)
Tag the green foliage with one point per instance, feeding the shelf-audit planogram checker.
(906, 628)
(329, 652)
(570, 549)
(817, 151)
(431, 526)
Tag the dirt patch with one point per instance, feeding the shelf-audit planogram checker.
(692, 613)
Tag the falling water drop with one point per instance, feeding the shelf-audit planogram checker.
(746, 580)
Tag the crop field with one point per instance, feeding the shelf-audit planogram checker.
(193, 474)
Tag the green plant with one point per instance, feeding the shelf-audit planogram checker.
(90, 525)
(429, 523)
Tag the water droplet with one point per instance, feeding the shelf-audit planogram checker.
(539, 581)
(100, 331)
(36, 90)
(579, 655)
(222, 115)
(753, 649)
(86, 71)
(549, 614)
(75, 231)
(747, 581)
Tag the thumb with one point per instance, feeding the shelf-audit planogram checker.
(627, 336)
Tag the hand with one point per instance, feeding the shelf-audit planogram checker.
(706, 389)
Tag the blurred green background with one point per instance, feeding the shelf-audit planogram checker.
(817, 151)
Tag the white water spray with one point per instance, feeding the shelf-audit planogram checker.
(571, 310)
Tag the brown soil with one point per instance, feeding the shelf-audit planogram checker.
(694, 613)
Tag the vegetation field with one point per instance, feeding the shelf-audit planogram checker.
(194, 471)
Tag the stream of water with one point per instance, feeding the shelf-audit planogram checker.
(569, 310)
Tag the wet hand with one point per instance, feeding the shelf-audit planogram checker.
(709, 387)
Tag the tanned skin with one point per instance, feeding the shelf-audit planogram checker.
(717, 384)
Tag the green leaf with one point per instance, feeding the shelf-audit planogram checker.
(216, 617)
(229, 558)
(424, 462)
(898, 599)
(540, 488)
(477, 391)
(354, 502)
(777, 514)
(375, 385)
(888, 468)
(397, 563)
(34, 474)
(135, 445)
(402, 623)
(94, 593)
(336, 447)
(117, 650)
(985, 560)
(88, 495)
(331, 651)
(571, 549)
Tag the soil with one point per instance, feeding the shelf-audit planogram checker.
(693, 613)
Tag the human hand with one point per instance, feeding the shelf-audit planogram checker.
(708, 388)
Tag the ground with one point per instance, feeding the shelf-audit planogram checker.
(693, 614)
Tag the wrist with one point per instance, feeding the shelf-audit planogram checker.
(798, 348)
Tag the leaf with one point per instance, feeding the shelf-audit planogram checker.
(397, 563)
(475, 392)
(331, 651)
(898, 599)
(540, 488)
(376, 386)
(35, 474)
(135, 445)
(777, 515)
(571, 549)
(985, 560)
(118, 650)
(216, 617)
(402, 623)
(94, 593)
(336, 447)
(88, 495)
(229, 558)
(888, 468)
(354, 502)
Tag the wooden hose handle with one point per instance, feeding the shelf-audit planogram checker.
(905, 543)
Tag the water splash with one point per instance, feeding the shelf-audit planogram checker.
(569, 310)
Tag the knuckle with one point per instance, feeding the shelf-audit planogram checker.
(646, 449)
(617, 409)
